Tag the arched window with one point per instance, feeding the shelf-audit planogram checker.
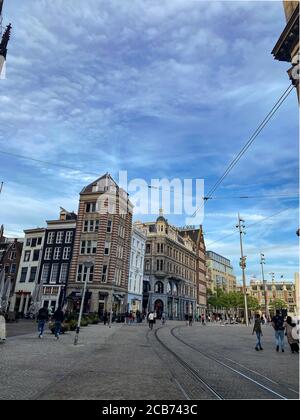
(175, 289)
(169, 287)
(159, 287)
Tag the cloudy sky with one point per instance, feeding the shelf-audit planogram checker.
(160, 88)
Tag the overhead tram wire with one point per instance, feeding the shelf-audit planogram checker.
(180, 194)
(265, 121)
(252, 224)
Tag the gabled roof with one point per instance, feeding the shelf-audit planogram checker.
(89, 188)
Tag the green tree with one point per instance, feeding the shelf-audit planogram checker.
(277, 304)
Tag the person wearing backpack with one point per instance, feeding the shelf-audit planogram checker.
(278, 325)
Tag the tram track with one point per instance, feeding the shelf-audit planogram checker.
(187, 367)
(234, 370)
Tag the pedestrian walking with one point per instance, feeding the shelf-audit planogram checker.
(293, 342)
(105, 318)
(203, 319)
(2, 327)
(190, 320)
(151, 320)
(186, 319)
(58, 318)
(258, 331)
(163, 318)
(278, 325)
(155, 316)
(42, 318)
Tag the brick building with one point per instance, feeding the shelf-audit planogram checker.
(103, 238)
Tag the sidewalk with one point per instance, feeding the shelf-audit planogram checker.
(29, 364)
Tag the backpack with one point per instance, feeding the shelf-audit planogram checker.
(279, 321)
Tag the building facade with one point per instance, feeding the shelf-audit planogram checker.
(10, 257)
(103, 239)
(219, 273)
(170, 271)
(28, 271)
(56, 260)
(136, 271)
(282, 290)
(287, 46)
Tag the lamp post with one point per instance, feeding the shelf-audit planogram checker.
(241, 227)
(111, 303)
(262, 262)
(88, 265)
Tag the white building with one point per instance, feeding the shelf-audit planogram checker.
(28, 270)
(136, 271)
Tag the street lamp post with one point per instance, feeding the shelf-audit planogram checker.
(262, 262)
(88, 265)
(111, 304)
(240, 227)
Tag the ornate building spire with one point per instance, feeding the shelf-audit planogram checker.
(4, 41)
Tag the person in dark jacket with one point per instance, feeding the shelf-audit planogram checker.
(58, 318)
(42, 318)
(278, 325)
(258, 331)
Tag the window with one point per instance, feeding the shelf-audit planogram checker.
(13, 255)
(36, 255)
(45, 272)
(109, 226)
(107, 248)
(27, 256)
(90, 207)
(39, 241)
(23, 274)
(28, 242)
(159, 287)
(54, 273)
(88, 247)
(59, 237)
(13, 269)
(69, 236)
(67, 253)
(48, 253)
(33, 242)
(82, 273)
(32, 275)
(91, 226)
(148, 248)
(118, 277)
(56, 254)
(104, 274)
(63, 273)
(51, 236)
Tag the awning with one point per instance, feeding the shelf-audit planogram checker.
(77, 295)
(118, 296)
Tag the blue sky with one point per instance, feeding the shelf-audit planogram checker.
(169, 88)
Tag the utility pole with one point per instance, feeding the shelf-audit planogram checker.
(262, 262)
(240, 227)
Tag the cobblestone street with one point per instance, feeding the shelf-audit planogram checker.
(132, 362)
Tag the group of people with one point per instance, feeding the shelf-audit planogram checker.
(282, 327)
(44, 315)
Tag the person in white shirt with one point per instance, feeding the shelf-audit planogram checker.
(151, 320)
